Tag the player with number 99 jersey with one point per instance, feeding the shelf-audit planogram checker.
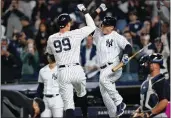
(65, 46)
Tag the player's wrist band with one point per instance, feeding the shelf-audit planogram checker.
(150, 114)
(84, 11)
(100, 9)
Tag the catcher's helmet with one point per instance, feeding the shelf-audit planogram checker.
(63, 20)
(144, 68)
(143, 60)
(109, 21)
(156, 58)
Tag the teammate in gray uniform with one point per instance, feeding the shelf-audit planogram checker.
(49, 89)
(155, 90)
(109, 45)
(65, 46)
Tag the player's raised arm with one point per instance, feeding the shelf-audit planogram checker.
(89, 21)
(100, 9)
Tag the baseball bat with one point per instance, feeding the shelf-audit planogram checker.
(121, 64)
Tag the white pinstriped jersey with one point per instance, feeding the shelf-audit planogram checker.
(108, 46)
(66, 46)
(49, 78)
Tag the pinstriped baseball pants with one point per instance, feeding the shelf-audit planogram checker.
(72, 77)
(110, 95)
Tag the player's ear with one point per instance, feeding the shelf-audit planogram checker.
(68, 24)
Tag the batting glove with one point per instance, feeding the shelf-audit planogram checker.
(125, 59)
(103, 7)
(81, 7)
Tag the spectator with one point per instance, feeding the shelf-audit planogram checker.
(145, 40)
(27, 6)
(30, 59)
(141, 7)
(165, 29)
(11, 18)
(162, 49)
(40, 11)
(128, 36)
(27, 27)
(165, 39)
(134, 25)
(146, 27)
(18, 43)
(88, 62)
(88, 51)
(160, 8)
(120, 10)
(11, 66)
(41, 42)
(130, 39)
(3, 29)
(158, 46)
(56, 9)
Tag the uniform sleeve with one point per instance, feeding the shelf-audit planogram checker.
(85, 31)
(40, 79)
(122, 42)
(163, 90)
(96, 34)
(48, 48)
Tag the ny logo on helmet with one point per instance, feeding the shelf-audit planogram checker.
(109, 42)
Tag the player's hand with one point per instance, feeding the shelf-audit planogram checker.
(103, 7)
(125, 59)
(81, 7)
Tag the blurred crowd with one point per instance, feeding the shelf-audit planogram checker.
(27, 24)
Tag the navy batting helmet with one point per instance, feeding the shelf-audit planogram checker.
(63, 20)
(109, 21)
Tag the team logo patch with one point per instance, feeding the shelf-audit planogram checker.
(54, 76)
(109, 42)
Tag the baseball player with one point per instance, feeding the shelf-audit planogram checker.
(109, 45)
(28, 108)
(65, 46)
(154, 92)
(48, 86)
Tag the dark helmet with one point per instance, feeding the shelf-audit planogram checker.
(143, 60)
(63, 20)
(109, 21)
(156, 58)
(144, 68)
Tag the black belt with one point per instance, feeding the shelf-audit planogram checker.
(50, 95)
(62, 66)
(102, 67)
